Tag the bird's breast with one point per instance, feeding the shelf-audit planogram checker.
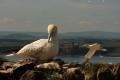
(49, 51)
(51, 48)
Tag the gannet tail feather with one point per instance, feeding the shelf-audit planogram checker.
(10, 55)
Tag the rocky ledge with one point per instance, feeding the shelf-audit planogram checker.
(58, 70)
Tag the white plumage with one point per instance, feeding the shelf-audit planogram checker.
(42, 49)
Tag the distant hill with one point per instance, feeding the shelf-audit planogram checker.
(68, 35)
(22, 35)
(93, 35)
(19, 36)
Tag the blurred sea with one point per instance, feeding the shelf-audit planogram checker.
(73, 58)
(77, 58)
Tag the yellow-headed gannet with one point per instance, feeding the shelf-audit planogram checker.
(42, 49)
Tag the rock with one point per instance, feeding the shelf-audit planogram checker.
(17, 72)
(73, 74)
(90, 71)
(33, 75)
(59, 70)
(7, 65)
(116, 71)
(65, 67)
(72, 64)
(105, 73)
(59, 61)
(54, 76)
(72, 71)
(6, 74)
(16, 65)
(50, 65)
(8, 71)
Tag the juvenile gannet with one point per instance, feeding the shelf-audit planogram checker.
(92, 49)
(42, 49)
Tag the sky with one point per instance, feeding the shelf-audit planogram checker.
(68, 15)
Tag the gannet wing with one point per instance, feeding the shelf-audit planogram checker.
(32, 48)
(88, 56)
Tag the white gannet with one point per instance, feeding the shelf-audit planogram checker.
(42, 49)
(92, 49)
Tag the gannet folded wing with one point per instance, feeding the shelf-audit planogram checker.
(31, 49)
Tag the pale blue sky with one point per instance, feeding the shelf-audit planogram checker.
(69, 15)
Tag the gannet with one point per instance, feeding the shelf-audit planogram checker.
(92, 49)
(42, 49)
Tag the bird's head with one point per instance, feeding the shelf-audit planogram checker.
(52, 31)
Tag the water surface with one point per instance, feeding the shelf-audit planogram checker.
(73, 58)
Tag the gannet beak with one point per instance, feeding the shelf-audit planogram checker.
(51, 34)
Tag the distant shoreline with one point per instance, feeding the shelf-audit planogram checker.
(111, 55)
